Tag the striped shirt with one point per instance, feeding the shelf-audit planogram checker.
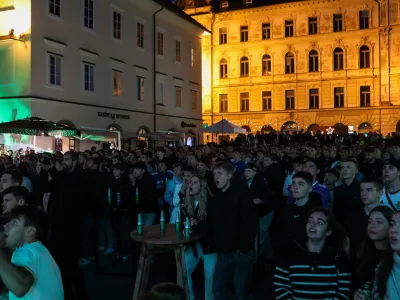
(301, 275)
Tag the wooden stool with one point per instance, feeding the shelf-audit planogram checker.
(154, 241)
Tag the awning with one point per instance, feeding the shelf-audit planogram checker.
(37, 127)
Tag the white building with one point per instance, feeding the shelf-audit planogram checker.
(127, 65)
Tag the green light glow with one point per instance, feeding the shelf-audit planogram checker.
(13, 109)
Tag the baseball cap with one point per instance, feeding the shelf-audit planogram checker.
(393, 162)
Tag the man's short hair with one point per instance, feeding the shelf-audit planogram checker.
(307, 177)
(170, 291)
(74, 155)
(19, 192)
(16, 176)
(226, 166)
(139, 165)
(188, 169)
(177, 165)
(119, 166)
(350, 159)
(34, 217)
(376, 181)
(96, 160)
(29, 157)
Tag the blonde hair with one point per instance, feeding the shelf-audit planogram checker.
(189, 199)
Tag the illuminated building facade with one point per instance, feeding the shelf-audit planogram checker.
(133, 66)
(301, 64)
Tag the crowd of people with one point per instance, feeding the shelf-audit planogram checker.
(323, 214)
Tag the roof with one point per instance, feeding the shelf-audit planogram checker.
(175, 10)
(238, 4)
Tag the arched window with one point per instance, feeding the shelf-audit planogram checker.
(266, 65)
(338, 59)
(224, 4)
(313, 61)
(223, 68)
(244, 67)
(289, 63)
(142, 139)
(364, 57)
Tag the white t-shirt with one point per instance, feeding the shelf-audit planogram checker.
(395, 199)
(47, 277)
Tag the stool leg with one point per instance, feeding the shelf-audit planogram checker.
(181, 273)
(142, 274)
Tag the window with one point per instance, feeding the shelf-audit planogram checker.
(223, 103)
(266, 65)
(116, 25)
(338, 59)
(223, 36)
(365, 96)
(160, 43)
(248, 2)
(312, 25)
(339, 97)
(194, 99)
(313, 61)
(244, 67)
(266, 100)
(55, 64)
(223, 68)
(289, 63)
(289, 28)
(140, 35)
(364, 19)
(117, 83)
(314, 98)
(178, 96)
(55, 7)
(88, 14)
(337, 22)
(177, 51)
(244, 33)
(140, 88)
(364, 57)
(160, 92)
(88, 77)
(289, 99)
(266, 31)
(244, 101)
(193, 57)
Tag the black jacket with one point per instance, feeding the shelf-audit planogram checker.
(258, 189)
(148, 201)
(291, 224)
(122, 186)
(348, 209)
(232, 219)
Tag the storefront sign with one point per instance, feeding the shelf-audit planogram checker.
(184, 124)
(113, 116)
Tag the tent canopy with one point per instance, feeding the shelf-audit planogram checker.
(224, 126)
(37, 126)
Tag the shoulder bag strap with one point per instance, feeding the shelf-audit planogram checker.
(389, 200)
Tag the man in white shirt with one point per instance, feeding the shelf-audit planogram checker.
(32, 273)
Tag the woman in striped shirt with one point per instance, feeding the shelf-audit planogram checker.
(317, 269)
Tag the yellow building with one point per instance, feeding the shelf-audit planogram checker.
(301, 64)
